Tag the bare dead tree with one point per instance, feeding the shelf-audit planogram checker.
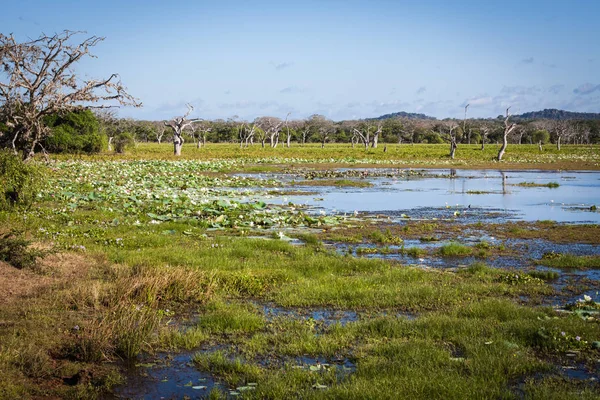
(465, 124)
(246, 133)
(561, 130)
(178, 125)
(583, 133)
(376, 135)
(452, 127)
(362, 134)
(305, 131)
(204, 131)
(287, 127)
(159, 130)
(37, 80)
(363, 130)
(508, 128)
(485, 131)
(199, 132)
(322, 126)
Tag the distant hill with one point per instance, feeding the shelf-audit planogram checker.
(403, 114)
(557, 114)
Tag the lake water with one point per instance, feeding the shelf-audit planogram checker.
(470, 191)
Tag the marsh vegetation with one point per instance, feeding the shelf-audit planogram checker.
(223, 277)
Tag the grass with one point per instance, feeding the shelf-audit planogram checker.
(142, 263)
(334, 182)
(454, 249)
(418, 155)
(551, 185)
(570, 261)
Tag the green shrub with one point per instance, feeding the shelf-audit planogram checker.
(19, 182)
(75, 132)
(454, 249)
(14, 249)
(122, 141)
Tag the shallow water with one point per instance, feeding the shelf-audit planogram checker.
(469, 191)
(172, 377)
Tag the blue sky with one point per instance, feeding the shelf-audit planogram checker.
(344, 59)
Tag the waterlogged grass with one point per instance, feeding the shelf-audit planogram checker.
(150, 256)
(551, 185)
(477, 350)
(570, 261)
(334, 182)
(454, 249)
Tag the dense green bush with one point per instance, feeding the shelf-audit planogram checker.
(74, 132)
(19, 182)
(122, 141)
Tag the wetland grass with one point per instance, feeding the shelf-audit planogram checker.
(142, 266)
(570, 261)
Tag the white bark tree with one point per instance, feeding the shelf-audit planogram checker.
(37, 79)
(485, 131)
(452, 137)
(159, 130)
(246, 133)
(508, 129)
(322, 126)
(287, 127)
(178, 125)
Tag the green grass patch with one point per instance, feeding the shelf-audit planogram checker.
(454, 249)
(570, 261)
(551, 185)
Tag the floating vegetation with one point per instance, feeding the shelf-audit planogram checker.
(551, 185)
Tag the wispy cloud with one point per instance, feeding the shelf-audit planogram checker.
(586, 88)
(479, 101)
(528, 60)
(291, 90)
(283, 65)
(421, 90)
(520, 90)
(556, 89)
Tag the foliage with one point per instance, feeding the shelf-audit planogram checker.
(74, 132)
(19, 182)
(122, 141)
(541, 136)
(16, 251)
(40, 81)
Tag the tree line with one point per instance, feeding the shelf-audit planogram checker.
(45, 107)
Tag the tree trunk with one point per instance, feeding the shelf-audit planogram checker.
(262, 142)
(288, 140)
(482, 144)
(110, 146)
(540, 146)
(558, 143)
(452, 148)
(177, 144)
(204, 141)
(375, 140)
(503, 148)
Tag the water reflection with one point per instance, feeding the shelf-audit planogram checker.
(481, 189)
